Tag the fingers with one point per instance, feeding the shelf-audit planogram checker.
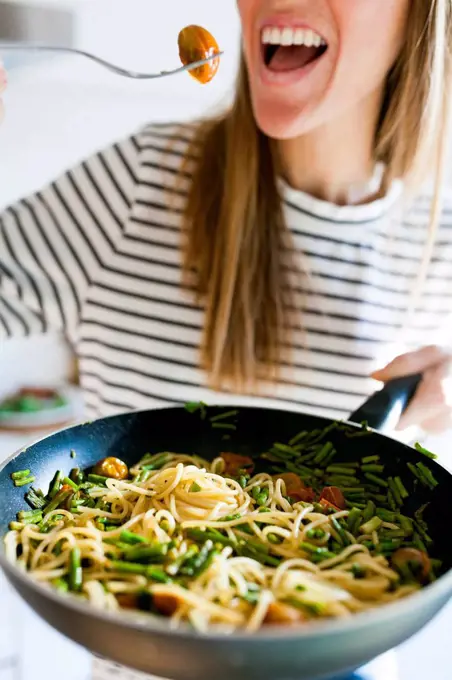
(431, 407)
(411, 363)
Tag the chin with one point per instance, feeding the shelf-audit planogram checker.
(281, 122)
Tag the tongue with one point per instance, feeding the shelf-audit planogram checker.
(293, 57)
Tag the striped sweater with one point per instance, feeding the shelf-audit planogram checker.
(97, 256)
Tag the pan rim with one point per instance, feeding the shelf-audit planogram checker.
(148, 623)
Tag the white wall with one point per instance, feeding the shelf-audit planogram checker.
(61, 110)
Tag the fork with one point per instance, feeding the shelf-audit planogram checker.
(35, 47)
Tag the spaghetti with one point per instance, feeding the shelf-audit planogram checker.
(212, 544)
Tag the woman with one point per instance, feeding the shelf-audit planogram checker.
(270, 252)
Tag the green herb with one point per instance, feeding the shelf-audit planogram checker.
(195, 488)
(73, 453)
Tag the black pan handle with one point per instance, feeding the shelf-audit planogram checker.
(383, 409)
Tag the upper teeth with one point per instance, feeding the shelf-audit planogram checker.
(272, 35)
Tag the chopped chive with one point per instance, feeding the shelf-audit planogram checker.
(20, 474)
(223, 416)
(370, 459)
(25, 481)
(75, 569)
(425, 452)
(377, 480)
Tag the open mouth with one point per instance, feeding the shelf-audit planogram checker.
(289, 49)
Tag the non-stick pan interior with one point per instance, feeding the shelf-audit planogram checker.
(129, 436)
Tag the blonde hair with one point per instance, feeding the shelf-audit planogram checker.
(234, 219)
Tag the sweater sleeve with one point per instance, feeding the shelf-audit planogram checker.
(53, 243)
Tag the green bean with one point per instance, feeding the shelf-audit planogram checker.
(320, 552)
(224, 426)
(406, 524)
(202, 536)
(75, 569)
(69, 482)
(354, 520)
(34, 500)
(377, 480)
(60, 497)
(389, 546)
(55, 484)
(27, 514)
(128, 567)
(20, 474)
(157, 574)
(425, 452)
(142, 476)
(395, 491)
(354, 490)
(323, 453)
(77, 476)
(427, 475)
(353, 504)
(370, 459)
(25, 481)
(98, 480)
(415, 472)
(175, 566)
(402, 491)
(341, 470)
(157, 463)
(131, 538)
(61, 585)
(372, 468)
(372, 525)
(340, 531)
(222, 416)
(369, 511)
(298, 438)
(154, 552)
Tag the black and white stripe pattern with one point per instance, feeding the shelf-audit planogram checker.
(97, 256)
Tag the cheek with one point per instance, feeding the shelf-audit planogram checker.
(371, 35)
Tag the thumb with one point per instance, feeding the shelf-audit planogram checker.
(411, 363)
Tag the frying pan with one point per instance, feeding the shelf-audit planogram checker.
(146, 643)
